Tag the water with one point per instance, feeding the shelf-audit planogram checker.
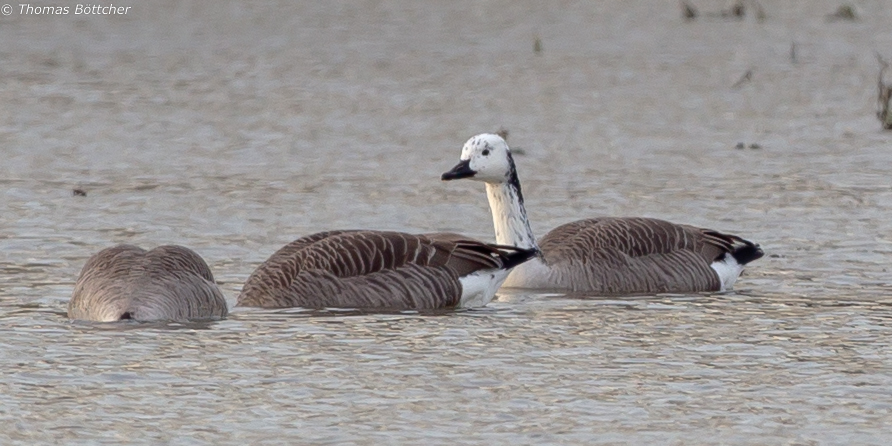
(234, 128)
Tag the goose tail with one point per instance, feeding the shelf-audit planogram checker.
(513, 256)
(747, 252)
(732, 263)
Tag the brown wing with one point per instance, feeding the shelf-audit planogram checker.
(627, 255)
(370, 269)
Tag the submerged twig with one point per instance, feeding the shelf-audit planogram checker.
(844, 12)
(884, 95)
(760, 13)
(737, 10)
(743, 79)
(503, 132)
(688, 11)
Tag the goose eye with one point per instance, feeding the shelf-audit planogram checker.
(485, 152)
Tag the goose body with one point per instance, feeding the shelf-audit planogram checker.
(610, 255)
(127, 282)
(381, 270)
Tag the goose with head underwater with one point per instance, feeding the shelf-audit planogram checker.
(609, 255)
(381, 270)
(169, 282)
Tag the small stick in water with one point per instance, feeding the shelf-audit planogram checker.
(688, 11)
(743, 79)
(884, 96)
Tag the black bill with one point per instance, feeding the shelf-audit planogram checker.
(461, 170)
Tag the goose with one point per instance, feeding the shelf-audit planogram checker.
(609, 255)
(127, 282)
(368, 269)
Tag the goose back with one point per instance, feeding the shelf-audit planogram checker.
(636, 255)
(373, 269)
(127, 282)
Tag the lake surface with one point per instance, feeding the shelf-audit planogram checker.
(234, 128)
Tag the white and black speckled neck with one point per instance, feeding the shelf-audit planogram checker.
(509, 217)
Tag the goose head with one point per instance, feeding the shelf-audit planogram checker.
(484, 157)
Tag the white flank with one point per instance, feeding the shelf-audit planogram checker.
(728, 270)
(480, 287)
(530, 274)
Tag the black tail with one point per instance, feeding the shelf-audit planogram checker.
(513, 256)
(747, 252)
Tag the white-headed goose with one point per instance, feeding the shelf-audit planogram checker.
(601, 255)
(381, 270)
(127, 282)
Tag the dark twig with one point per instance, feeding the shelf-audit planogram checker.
(737, 11)
(760, 13)
(743, 79)
(884, 95)
(844, 12)
(688, 11)
(503, 132)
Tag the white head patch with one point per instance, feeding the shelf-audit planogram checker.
(489, 158)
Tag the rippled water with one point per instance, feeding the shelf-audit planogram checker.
(234, 128)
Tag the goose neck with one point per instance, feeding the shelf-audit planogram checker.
(509, 216)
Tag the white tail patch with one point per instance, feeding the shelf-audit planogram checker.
(728, 270)
(479, 288)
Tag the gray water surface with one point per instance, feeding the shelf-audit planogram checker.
(236, 127)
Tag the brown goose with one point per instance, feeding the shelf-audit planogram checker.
(601, 255)
(127, 282)
(381, 270)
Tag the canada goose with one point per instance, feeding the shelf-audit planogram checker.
(601, 255)
(381, 270)
(127, 282)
